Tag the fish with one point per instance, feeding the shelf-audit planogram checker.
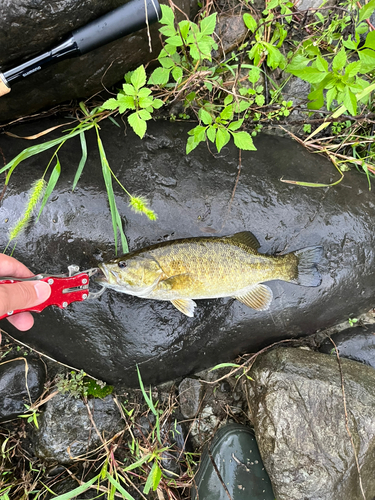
(183, 270)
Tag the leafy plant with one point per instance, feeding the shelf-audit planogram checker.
(31, 415)
(135, 96)
(79, 385)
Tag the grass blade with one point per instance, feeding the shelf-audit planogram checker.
(51, 185)
(153, 479)
(77, 491)
(39, 148)
(119, 488)
(82, 163)
(148, 399)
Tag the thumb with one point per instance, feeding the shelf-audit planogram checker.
(23, 295)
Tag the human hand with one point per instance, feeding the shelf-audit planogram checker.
(21, 295)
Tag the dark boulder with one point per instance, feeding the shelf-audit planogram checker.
(30, 27)
(191, 195)
(21, 383)
(299, 416)
(357, 343)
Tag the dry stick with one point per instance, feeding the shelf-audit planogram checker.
(218, 474)
(347, 419)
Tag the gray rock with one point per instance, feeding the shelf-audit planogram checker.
(299, 420)
(110, 336)
(14, 392)
(66, 430)
(30, 27)
(190, 393)
(357, 343)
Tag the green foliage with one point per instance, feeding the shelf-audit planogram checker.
(31, 415)
(79, 385)
(136, 97)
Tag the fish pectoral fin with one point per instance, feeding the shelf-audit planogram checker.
(186, 306)
(178, 282)
(257, 297)
(246, 238)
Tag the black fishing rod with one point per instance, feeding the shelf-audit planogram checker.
(124, 20)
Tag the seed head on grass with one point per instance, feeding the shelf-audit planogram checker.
(139, 204)
(36, 192)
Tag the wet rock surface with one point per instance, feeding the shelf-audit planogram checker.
(299, 419)
(30, 27)
(357, 343)
(191, 195)
(21, 382)
(66, 430)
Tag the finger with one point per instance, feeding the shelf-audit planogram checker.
(23, 295)
(22, 321)
(11, 267)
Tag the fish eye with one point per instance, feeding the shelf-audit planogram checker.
(122, 264)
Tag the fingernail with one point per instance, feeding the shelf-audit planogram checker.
(43, 291)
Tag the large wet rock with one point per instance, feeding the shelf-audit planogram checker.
(191, 195)
(67, 430)
(30, 27)
(21, 383)
(299, 418)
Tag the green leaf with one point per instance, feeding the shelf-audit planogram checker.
(111, 104)
(367, 58)
(191, 144)
(153, 479)
(205, 116)
(254, 75)
(78, 491)
(208, 86)
(198, 133)
(137, 124)
(260, 100)
(339, 60)
(227, 113)
(82, 163)
(157, 103)
(370, 40)
(297, 63)
(184, 28)
(138, 77)
(177, 73)
(211, 133)
(167, 31)
(235, 125)
(208, 24)
(222, 138)
(51, 184)
(331, 94)
(167, 15)
(175, 41)
(250, 22)
(160, 76)
(166, 62)
(350, 101)
(144, 114)
(128, 89)
(353, 68)
(243, 140)
(367, 10)
(317, 98)
(125, 102)
(228, 99)
(349, 44)
(119, 488)
(145, 92)
(224, 365)
(321, 64)
(145, 102)
(309, 74)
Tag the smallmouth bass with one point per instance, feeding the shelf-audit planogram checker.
(208, 268)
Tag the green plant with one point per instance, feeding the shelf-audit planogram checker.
(135, 96)
(31, 415)
(79, 385)
(353, 321)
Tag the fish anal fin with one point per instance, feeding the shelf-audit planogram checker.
(186, 306)
(257, 297)
(246, 238)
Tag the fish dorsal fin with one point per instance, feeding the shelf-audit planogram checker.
(246, 238)
(186, 306)
(257, 297)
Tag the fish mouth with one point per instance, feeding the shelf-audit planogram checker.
(101, 276)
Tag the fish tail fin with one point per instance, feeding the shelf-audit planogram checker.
(308, 258)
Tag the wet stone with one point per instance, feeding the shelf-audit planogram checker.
(190, 393)
(66, 430)
(110, 336)
(14, 391)
(299, 419)
(357, 343)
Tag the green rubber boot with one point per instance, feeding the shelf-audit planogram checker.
(238, 462)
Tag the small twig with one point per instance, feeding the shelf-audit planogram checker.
(218, 474)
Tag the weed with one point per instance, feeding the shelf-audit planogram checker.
(79, 385)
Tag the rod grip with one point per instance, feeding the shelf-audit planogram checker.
(4, 87)
(120, 22)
